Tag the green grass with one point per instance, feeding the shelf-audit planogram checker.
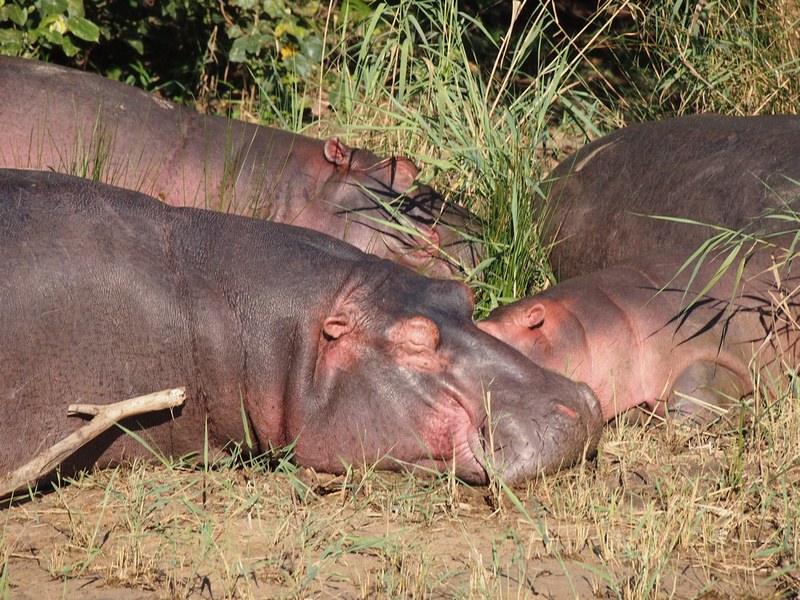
(677, 57)
(410, 82)
(662, 512)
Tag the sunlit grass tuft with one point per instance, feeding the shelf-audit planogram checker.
(663, 511)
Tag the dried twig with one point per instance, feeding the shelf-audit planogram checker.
(105, 417)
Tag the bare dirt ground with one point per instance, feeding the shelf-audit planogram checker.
(658, 514)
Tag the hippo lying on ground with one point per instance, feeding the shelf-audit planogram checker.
(108, 294)
(712, 169)
(64, 120)
(632, 346)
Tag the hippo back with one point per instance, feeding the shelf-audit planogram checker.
(647, 330)
(281, 331)
(77, 123)
(719, 170)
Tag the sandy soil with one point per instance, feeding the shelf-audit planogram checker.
(146, 533)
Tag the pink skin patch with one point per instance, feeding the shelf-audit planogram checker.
(567, 411)
(452, 436)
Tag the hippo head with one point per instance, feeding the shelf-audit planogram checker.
(386, 217)
(549, 332)
(542, 329)
(405, 378)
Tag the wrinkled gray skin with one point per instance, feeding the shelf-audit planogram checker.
(707, 168)
(610, 330)
(108, 294)
(64, 120)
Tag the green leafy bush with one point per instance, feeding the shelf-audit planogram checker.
(26, 27)
(187, 49)
(282, 46)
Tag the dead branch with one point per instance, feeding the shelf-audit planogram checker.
(105, 417)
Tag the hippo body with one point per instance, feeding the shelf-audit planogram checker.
(109, 294)
(64, 120)
(725, 171)
(633, 346)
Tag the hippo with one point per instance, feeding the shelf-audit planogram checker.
(724, 171)
(109, 294)
(637, 336)
(64, 120)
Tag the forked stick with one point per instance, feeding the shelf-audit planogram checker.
(105, 416)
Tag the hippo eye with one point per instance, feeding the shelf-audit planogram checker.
(416, 334)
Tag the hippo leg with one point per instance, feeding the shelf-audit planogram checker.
(701, 390)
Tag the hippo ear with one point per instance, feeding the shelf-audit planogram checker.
(337, 325)
(530, 317)
(337, 153)
(415, 341)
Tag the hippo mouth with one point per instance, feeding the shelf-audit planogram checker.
(449, 440)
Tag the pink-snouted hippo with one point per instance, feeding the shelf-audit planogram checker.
(724, 171)
(634, 345)
(68, 121)
(108, 294)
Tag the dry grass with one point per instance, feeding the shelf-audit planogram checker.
(731, 57)
(662, 512)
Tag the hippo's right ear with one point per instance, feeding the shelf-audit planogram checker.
(530, 316)
(335, 326)
(337, 153)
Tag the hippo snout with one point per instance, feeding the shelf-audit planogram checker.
(542, 436)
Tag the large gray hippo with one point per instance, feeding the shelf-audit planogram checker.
(634, 345)
(59, 119)
(109, 294)
(712, 169)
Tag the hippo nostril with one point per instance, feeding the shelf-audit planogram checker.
(567, 411)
